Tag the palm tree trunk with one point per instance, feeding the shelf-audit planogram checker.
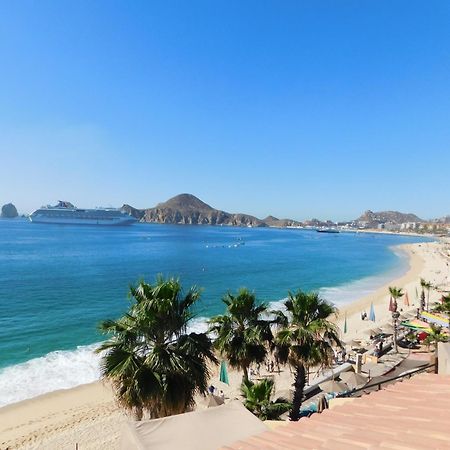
(299, 386)
(245, 373)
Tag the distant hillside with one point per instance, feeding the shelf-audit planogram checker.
(188, 209)
(272, 221)
(387, 216)
(445, 220)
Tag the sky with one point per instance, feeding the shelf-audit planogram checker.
(297, 109)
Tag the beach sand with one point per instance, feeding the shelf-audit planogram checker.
(88, 416)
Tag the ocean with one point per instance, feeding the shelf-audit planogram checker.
(58, 282)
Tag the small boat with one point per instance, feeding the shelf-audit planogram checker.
(327, 230)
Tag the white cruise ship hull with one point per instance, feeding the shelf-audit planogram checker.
(66, 214)
(83, 221)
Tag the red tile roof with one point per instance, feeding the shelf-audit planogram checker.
(408, 415)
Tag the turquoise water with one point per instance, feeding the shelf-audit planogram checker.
(58, 282)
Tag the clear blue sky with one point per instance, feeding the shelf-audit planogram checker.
(297, 109)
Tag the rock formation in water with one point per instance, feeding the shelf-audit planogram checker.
(9, 211)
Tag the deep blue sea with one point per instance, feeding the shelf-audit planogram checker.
(58, 282)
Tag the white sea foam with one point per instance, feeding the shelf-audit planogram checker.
(347, 293)
(67, 369)
(56, 370)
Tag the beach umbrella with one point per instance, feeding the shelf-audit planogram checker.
(391, 305)
(223, 377)
(372, 313)
(354, 380)
(406, 299)
(345, 324)
(422, 335)
(334, 386)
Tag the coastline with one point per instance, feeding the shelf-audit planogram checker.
(408, 281)
(88, 415)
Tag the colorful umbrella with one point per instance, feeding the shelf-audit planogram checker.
(223, 373)
(435, 318)
(406, 299)
(372, 313)
(391, 305)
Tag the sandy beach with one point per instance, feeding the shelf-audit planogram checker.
(88, 416)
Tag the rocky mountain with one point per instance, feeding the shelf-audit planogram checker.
(137, 213)
(9, 211)
(319, 223)
(188, 209)
(272, 221)
(375, 218)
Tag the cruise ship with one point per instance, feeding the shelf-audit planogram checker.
(67, 214)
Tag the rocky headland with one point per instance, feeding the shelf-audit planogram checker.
(186, 209)
(9, 211)
(376, 218)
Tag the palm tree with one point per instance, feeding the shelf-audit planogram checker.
(154, 364)
(305, 338)
(395, 293)
(444, 307)
(257, 399)
(242, 332)
(425, 285)
(435, 336)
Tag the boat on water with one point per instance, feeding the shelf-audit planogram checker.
(65, 213)
(327, 230)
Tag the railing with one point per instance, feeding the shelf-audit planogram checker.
(398, 377)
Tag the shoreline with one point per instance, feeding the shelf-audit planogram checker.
(377, 281)
(88, 413)
(379, 297)
(79, 367)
